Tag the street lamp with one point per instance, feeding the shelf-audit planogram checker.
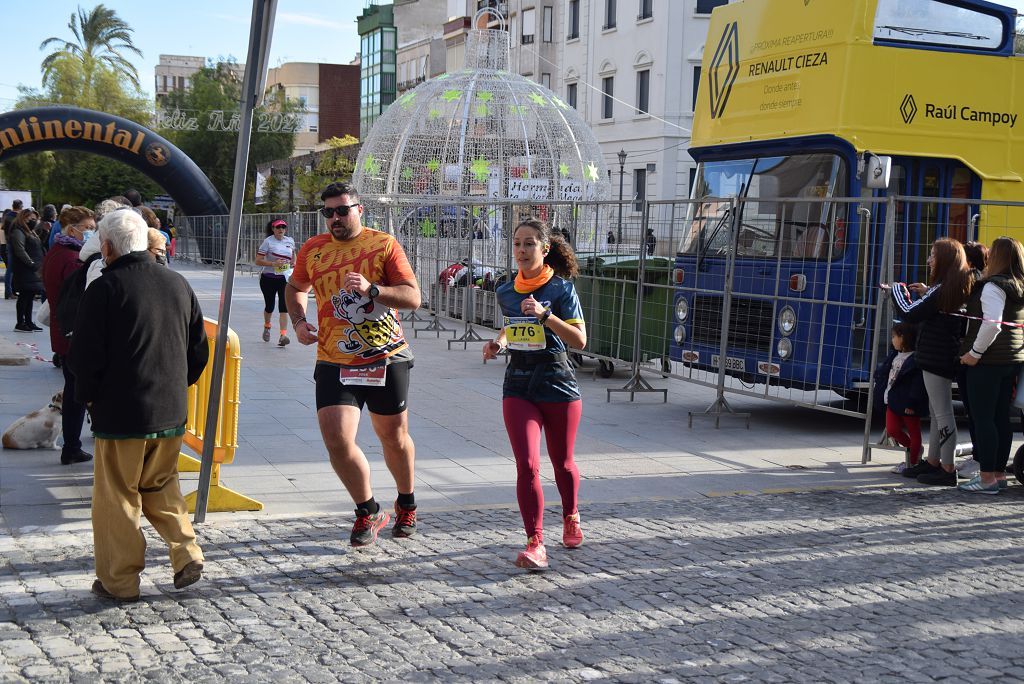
(622, 172)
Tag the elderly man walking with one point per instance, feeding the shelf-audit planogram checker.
(138, 344)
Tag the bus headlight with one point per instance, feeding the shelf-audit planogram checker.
(784, 348)
(679, 334)
(787, 320)
(682, 310)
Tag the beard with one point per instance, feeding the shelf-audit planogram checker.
(340, 231)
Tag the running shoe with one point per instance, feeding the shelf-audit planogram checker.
(976, 486)
(366, 527)
(967, 468)
(266, 334)
(938, 477)
(283, 342)
(535, 557)
(572, 533)
(899, 468)
(405, 521)
(922, 467)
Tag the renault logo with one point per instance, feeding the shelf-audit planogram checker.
(908, 109)
(725, 67)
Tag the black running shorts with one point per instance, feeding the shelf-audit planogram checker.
(389, 400)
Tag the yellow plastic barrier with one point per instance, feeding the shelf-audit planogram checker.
(221, 498)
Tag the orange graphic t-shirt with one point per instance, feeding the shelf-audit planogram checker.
(353, 330)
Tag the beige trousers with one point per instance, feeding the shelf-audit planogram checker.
(134, 477)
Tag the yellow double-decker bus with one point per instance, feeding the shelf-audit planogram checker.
(829, 99)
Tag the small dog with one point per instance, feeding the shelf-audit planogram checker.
(38, 429)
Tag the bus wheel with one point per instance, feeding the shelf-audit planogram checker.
(1018, 464)
(605, 368)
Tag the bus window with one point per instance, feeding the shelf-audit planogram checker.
(768, 226)
(959, 188)
(937, 23)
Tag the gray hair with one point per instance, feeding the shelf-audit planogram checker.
(107, 206)
(125, 231)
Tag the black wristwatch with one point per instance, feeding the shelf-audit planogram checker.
(373, 292)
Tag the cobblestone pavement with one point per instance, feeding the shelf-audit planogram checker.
(878, 585)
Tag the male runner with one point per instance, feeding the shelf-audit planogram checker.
(360, 277)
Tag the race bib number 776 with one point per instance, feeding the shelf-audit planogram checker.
(524, 333)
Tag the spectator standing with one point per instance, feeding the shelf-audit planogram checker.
(55, 230)
(993, 354)
(26, 262)
(276, 254)
(361, 276)
(151, 354)
(60, 262)
(45, 225)
(8, 222)
(938, 342)
(542, 316)
(651, 241)
(977, 260)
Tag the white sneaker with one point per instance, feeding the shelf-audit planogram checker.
(887, 441)
(899, 468)
(967, 468)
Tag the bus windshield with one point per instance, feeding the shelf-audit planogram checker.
(798, 229)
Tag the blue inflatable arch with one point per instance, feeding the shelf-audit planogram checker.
(70, 128)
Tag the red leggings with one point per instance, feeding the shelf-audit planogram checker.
(906, 430)
(523, 422)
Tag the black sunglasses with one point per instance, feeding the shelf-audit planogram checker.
(343, 210)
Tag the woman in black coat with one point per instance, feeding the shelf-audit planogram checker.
(26, 264)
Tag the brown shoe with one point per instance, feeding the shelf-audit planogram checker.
(188, 575)
(101, 591)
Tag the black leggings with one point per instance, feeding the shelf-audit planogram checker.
(23, 307)
(273, 287)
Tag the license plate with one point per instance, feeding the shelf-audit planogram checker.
(731, 363)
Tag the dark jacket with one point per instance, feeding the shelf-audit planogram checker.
(26, 259)
(1008, 347)
(139, 343)
(938, 333)
(907, 391)
(60, 261)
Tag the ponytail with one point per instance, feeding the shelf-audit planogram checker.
(560, 257)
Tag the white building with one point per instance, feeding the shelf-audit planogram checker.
(632, 68)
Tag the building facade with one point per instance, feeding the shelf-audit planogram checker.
(328, 94)
(378, 81)
(632, 68)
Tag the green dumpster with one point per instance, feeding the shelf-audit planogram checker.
(607, 287)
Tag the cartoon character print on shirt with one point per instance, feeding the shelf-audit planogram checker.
(373, 328)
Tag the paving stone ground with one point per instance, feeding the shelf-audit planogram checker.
(899, 585)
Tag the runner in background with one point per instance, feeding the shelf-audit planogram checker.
(276, 254)
(542, 316)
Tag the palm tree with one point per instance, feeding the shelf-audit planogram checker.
(100, 38)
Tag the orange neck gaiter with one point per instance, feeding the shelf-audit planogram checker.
(524, 285)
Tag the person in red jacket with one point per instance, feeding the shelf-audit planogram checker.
(60, 262)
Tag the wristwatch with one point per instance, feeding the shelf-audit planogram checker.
(373, 292)
(544, 316)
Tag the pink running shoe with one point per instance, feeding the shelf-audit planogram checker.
(572, 533)
(535, 557)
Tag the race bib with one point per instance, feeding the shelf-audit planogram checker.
(282, 268)
(373, 375)
(524, 334)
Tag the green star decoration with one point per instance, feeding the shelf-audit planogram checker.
(517, 109)
(371, 166)
(481, 169)
(538, 99)
(481, 110)
(560, 103)
(433, 165)
(435, 113)
(485, 95)
(428, 228)
(452, 95)
(406, 173)
(441, 77)
(590, 171)
(563, 170)
(407, 99)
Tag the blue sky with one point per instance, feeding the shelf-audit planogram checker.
(305, 31)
